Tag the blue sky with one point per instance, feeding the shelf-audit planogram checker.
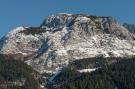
(15, 13)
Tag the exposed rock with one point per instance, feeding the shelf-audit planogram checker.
(66, 37)
(130, 27)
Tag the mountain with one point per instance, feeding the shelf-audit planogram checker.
(130, 27)
(64, 38)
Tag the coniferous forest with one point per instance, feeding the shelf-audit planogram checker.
(17, 75)
(120, 75)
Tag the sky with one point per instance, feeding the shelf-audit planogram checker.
(14, 13)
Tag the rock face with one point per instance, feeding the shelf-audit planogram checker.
(64, 37)
(130, 27)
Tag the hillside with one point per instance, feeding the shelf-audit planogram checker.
(17, 75)
(120, 75)
(63, 38)
(130, 27)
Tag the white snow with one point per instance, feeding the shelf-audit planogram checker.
(87, 70)
(82, 19)
(15, 31)
(28, 62)
(42, 86)
(67, 43)
(55, 74)
(61, 52)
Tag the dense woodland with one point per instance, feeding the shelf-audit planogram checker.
(120, 75)
(17, 75)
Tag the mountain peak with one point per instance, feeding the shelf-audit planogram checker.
(66, 19)
(63, 38)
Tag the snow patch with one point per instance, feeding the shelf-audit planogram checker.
(87, 70)
(61, 52)
(55, 74)
(15, 31)
(82, 19)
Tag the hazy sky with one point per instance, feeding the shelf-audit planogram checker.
(15, 13)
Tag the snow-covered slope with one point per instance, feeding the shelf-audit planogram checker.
(66, 37)
(130, 27)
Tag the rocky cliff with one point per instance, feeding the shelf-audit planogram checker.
(62, 38)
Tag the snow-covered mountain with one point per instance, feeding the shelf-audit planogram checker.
(62, 38)
(130, 27)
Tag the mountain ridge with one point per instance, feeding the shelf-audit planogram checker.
(63, 38)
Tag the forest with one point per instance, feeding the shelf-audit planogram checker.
(17, 75)
(119, 75)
